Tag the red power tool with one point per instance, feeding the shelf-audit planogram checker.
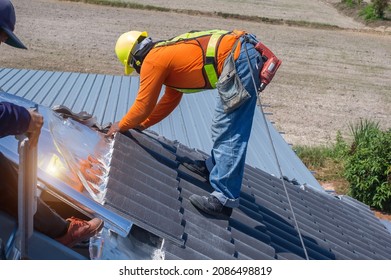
(270, 65)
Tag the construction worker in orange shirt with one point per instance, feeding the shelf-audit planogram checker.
(193, 62)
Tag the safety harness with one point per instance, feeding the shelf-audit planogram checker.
(209, 42)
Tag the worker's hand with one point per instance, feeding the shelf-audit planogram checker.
(140, 127)
(34, 128)
(113, 129)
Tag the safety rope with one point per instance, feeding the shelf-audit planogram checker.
(274, 152)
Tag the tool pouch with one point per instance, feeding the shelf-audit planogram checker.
(230, 88)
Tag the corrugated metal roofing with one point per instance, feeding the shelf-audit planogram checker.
(109, 97)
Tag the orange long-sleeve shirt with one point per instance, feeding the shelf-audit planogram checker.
(175, 66)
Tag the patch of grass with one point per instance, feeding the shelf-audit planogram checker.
(327, 162)
(352, 3)
(313, 157)
(317, 156)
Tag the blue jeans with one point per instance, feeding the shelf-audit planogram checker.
(231, 131)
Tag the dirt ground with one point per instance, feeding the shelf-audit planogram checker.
(329, 78)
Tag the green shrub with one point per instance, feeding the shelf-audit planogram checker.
(361, 169)
(380, 6)
(375, 10)
(363, 131)
(368, 166)
(368, 13)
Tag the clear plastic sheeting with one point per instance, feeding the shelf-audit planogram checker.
(73, 162)
(86, 154)
(68, 150)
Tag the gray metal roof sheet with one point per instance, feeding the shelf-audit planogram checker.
(262, 227)
(109, 97)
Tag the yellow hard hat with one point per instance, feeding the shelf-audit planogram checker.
(124, 46)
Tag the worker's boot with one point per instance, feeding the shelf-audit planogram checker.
(211, 205)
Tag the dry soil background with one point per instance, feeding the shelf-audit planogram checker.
(328, 79)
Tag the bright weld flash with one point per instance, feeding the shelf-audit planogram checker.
(55, 166)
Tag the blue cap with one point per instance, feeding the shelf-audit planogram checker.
(7, 23)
